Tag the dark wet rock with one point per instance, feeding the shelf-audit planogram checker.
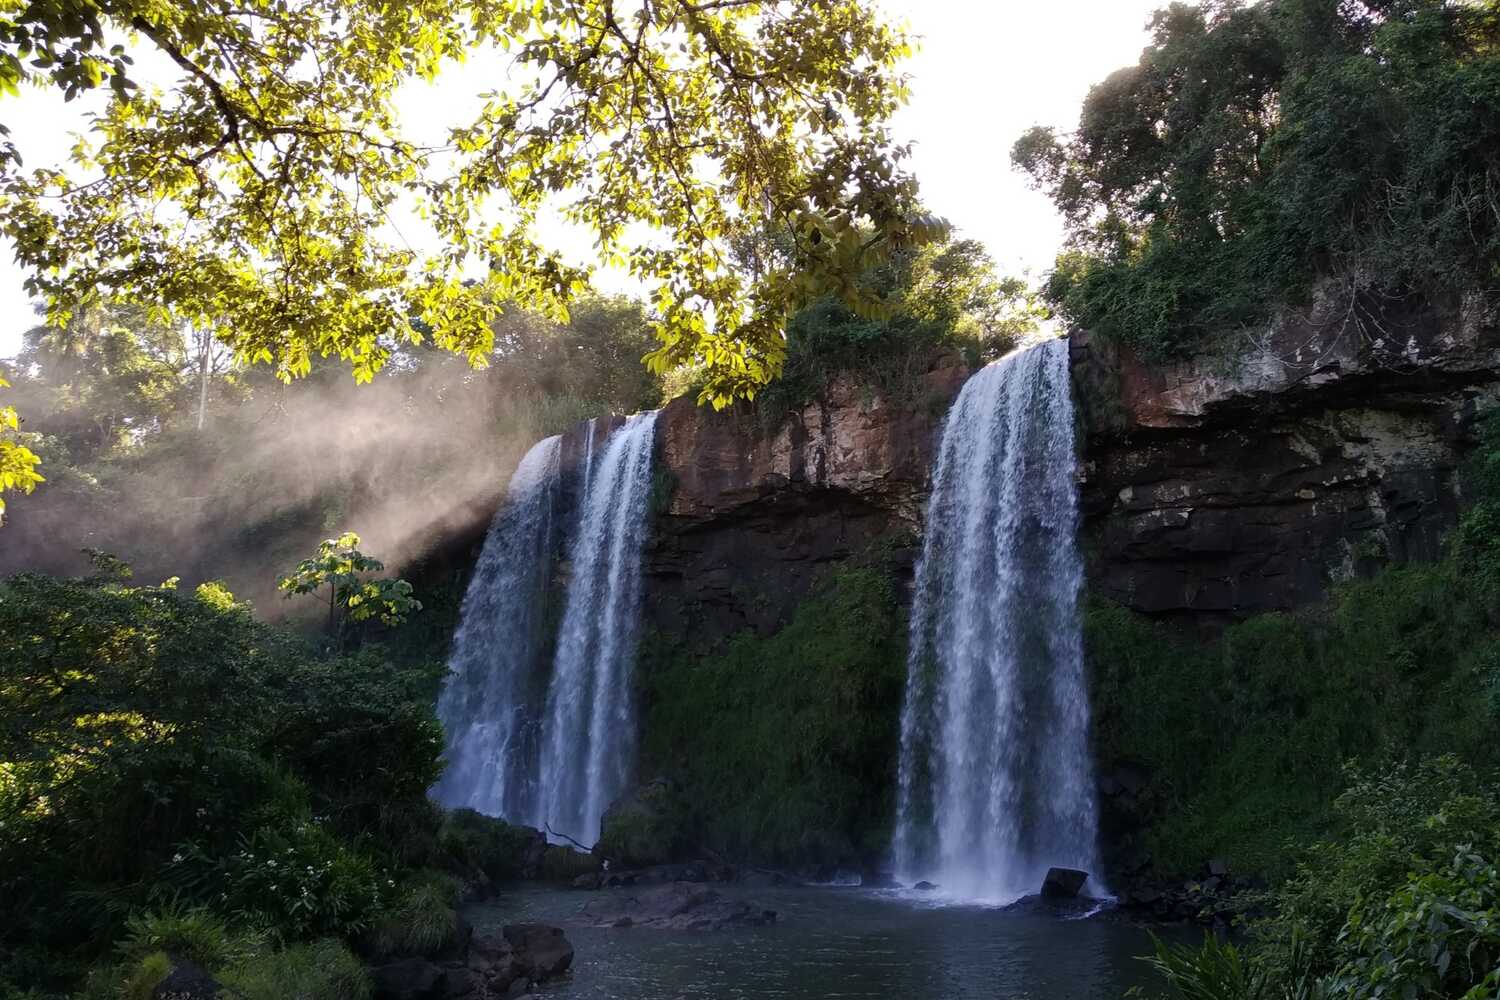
(187, 981)
(765, 878)
(488, 966)
(678, 906)
(1272, 464)
(542, 951)
(1218, 868)
(1063, 883)
(409, 979)
(924, 886)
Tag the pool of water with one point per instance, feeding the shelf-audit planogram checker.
(845, 943)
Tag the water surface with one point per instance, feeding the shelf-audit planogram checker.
(845, 943)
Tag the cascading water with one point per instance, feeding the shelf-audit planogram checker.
(485, 705)
(996, 783)
(589, 737)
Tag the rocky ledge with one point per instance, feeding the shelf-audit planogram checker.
(678, 906)
(1272, 464)
(754, 516)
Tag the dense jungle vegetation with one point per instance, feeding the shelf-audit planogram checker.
(1257, 150)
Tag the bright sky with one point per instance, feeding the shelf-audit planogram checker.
(987, 70)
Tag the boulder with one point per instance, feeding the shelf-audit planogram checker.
(1218, 868)
(484, 850)
(924, 886)
(409, 979)
(679, 906)
(542, 951)
(186, 981)
(1063, 883)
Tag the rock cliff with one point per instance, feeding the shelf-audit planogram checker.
(752, 518)
(1254, 475)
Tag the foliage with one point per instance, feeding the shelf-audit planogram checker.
(1215, 970)
(422, 920)
(1397, 664)
(157, 745)
(1400, 901)
(145, 974)
(780, 742)
(341, 567)
(297, 881)
(319, 970)
(252, 195)
(1254, 148)
(942, 298)
(17, 462)
(191, 933)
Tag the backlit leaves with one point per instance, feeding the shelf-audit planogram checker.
(257, 196)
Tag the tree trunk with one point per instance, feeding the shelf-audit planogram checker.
(205, 344)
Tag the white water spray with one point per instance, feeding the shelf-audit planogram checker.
(588, 748)
(485, 705)
(996, 783)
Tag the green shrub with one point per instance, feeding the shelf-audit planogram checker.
(297, 883)
(785, 745)
(191, 933)
(320, 970)
(143, 976)
(421, 921)
(1244, 738)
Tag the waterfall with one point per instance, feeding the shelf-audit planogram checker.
(589, 738)
(485, 701)
(995, 780)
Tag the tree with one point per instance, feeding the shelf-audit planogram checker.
(254, 195)
(108, 377)
(1255, 149)
(17, 462)
(341, 567)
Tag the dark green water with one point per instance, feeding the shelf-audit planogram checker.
(850, 944)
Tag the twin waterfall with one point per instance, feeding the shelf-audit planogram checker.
(589, 744)
(995, 782)
(486, 702)
(552, 749)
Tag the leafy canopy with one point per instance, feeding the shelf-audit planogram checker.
(1255, 148)
(17, 462)
(254, 194)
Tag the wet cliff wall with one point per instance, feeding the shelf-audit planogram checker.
(1256, 474)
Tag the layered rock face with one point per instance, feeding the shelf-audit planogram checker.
(752, 519)
(1253, 476)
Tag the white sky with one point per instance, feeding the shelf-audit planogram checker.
(986, 71)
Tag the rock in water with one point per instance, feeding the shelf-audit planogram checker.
(1063, 883)
(680, 906)
(542, 950)
(924, 886)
